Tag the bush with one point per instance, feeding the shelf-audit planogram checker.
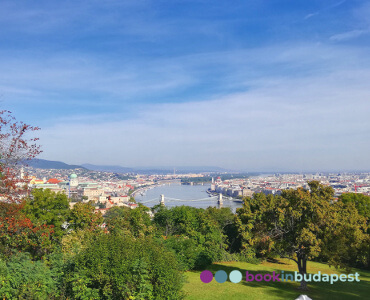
(121, 267)
(22, 278)
(188, 252)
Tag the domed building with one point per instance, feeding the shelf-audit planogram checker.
(73, 180)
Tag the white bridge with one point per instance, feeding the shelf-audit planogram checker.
(169, 199)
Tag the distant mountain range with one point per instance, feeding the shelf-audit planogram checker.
(49, 164)
(192, 169)
(114, 169)
(152, 170)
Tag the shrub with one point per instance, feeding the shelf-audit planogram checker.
(121, 267)
(22, 278)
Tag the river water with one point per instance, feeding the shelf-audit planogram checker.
(190, 195)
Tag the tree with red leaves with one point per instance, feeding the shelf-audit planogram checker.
(16, 145)
(17, 232)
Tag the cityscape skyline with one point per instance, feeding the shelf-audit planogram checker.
(257, 86)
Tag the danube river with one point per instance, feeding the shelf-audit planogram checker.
(176, 194)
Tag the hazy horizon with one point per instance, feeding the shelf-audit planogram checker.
(213, 169)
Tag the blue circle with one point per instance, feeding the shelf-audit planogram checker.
(235, 276)
(221, 276)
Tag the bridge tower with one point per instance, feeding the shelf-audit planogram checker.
(220, 202)
(161, 199)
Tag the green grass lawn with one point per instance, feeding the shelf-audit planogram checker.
(196, 289)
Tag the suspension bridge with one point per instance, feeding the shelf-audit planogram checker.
(162, 199)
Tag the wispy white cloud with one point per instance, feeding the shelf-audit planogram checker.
(348, 35)
(67, 16)
(153, 83)
(310, 15)
(316, 121)
(88, 81)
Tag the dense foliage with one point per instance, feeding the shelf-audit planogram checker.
(75, 253)
(116, 266)
(361, 202)
(53, 252)
(135, 222)
(195, 235)
(302, 225)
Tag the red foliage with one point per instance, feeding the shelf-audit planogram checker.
(15, 146)
(17, 232)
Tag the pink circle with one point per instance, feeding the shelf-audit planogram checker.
(206, 276)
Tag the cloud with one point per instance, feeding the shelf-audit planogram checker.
(143, 83)
(45, 80)
(348, 35)
(310, 15)
(72, 17)
(75, 79)
(313, 122)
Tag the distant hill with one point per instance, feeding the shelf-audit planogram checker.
(50, 164)
(103, 168)
(191, 169)
(152, 170)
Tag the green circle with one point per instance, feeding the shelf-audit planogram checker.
(221, 276)
(235, 276)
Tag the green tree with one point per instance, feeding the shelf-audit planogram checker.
(361, 202)
(300, 225)
(23, 278)
(132, 200)
(226, 223)
(136, 221)
(122, 267)
(83, 216)
(346, 241)
(194, 230)
(45, 207)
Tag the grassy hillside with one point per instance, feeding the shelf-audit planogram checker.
(196, 289)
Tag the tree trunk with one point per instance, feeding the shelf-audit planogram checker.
(302, 268)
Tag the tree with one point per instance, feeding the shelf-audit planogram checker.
(225, 220)
(118, 266)
(361, 202)
(23, 278)
(45, 207)
(15, 147)
(346, 242)
(83, 216)
(17, 232)
(300, 225)
(135, 222)
(194, 234)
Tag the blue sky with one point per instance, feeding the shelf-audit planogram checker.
(253, 85)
